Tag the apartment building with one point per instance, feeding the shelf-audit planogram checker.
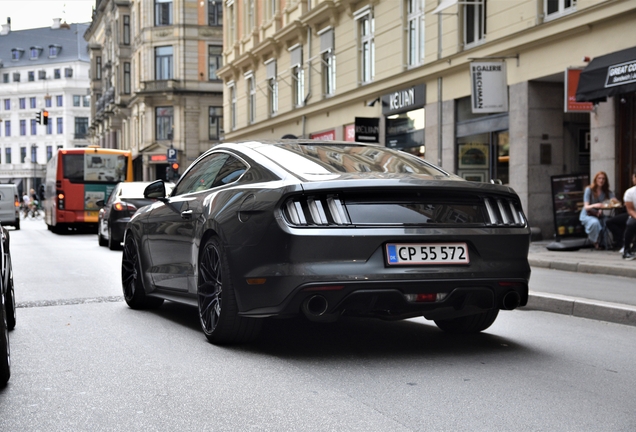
(478, 87)
(42, 69)
(153, 80)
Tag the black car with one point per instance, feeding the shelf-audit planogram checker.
(7, 308)
(116, 211)
(323, 229)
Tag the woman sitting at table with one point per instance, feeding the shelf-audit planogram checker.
(592, 214)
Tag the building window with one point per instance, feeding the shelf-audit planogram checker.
(7, 104)
(81, 127)
(42, 75)
(126, 35)
(215, 12)
(68, 73)
(328, 61)
(7, 128)
(54, 50)
(35, 52)
(231, 23)
(126, 79)
(57, 74)
(163, 122)
(251, 98)
(23, 154)
(474, 22)
(16, 53)
(270, 9)
(34, 154)
(7, 155)
(297, 76)
(59, 100)
(163, 63)
(76, 100)
(215, 61)
(366, 30)
(163, 12)
(22, 127)
(49, 152)
(272, 87)
(16, 76)
(5, 78)
(557, 8)
(34, 127)
(22, 103)
(216, 123)
(32, 102)
(232, 89)
(98, 67)
(60, 125)
(49, 128)
(31, 76)
(248, 9)
(48, 101)
(86, 101)
(415, 28)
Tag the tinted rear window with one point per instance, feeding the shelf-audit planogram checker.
(307, 159)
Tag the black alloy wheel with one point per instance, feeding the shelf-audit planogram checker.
(5, 352)
(218, 311)
(469, 324)
(132, 280)
(9, 298)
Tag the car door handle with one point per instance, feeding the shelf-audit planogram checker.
(186, 214)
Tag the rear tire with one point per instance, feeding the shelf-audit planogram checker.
(218, 310)
(5, 352)
(16, 225)
(132, 279)
(469, 324)
(112, 244)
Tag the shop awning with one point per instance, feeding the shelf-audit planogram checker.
(608, 75)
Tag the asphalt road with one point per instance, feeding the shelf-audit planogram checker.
(82, 360)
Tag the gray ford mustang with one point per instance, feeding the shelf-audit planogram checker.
(324, 229)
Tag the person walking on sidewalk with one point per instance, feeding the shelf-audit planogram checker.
(592, 214)
(630, 227)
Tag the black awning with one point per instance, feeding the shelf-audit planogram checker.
(608, 75)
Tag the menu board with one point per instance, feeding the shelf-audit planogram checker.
(567, 201)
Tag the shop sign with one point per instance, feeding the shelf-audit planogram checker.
(623, 73)
(404, 100)
(329, 135)
(350, 132)
(367, 129)
(489, 87)
(572, 76)
(158, 158)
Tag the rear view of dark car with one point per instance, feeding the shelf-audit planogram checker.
(115, 213)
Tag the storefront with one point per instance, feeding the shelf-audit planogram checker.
(614, 75)
(403, 112)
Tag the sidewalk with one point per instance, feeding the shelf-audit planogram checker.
(617, 306)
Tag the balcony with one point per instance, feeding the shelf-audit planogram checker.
(158, 86)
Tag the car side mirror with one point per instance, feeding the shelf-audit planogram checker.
(100, 203)
(156, 190)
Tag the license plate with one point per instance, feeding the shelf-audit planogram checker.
(427, 253)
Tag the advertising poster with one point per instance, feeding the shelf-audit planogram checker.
(473, 155)
(567, 200)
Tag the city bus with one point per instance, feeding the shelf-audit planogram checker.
(76, 179)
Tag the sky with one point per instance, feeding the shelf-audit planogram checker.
(28, 14)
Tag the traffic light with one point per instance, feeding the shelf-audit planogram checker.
(38, 117)
(45, 117)
(175, 166)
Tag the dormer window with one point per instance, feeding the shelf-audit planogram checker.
(16, 53)
(54, 50)
(34, 52)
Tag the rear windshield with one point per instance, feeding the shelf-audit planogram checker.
(94, 168)
(311, 160)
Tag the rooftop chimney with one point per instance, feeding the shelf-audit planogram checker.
(56, 23)
(6, 28)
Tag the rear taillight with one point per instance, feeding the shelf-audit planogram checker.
(326, 210)
(60, 200)
(119, 206)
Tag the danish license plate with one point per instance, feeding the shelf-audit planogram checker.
(427, 253)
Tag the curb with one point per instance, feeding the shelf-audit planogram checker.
(584, 267)
(582, 308)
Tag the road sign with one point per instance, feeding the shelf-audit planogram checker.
(172, 155)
